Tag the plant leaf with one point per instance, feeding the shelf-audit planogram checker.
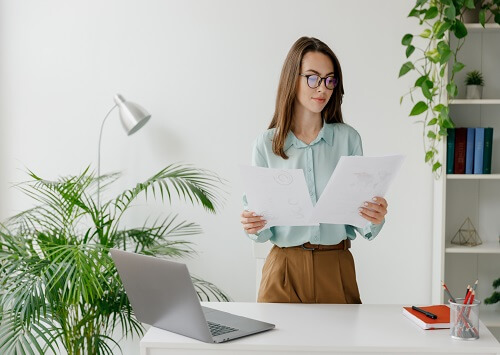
(425, 89)
(407, 39)
(406, 68)
(482, 17)
(436, 166)
(431, 13)
(425, 33)
(419, 108)
(469, 4)
(409, 51)
(459, 29)
(457, 66)
(428, 155)
(433, 55)
(452, 90)
(442, 28)
(421, 80)
(450, 12)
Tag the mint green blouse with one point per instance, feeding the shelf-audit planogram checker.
(318, 160)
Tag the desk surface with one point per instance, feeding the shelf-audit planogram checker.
(321, 328)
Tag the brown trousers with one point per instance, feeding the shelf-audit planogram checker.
(296, 275)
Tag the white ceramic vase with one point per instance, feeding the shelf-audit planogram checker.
(474, 91)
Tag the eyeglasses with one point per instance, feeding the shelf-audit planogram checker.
(313, 81)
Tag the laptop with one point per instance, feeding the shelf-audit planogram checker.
(162, 295)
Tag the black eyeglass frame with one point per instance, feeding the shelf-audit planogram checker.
(320, 80)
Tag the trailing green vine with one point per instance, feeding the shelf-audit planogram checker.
(438, 18)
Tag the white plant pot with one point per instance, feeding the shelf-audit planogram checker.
(474, 91)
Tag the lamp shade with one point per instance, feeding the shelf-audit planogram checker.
(133, 116)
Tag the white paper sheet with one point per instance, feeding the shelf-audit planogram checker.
(356, 179)
(280, 195)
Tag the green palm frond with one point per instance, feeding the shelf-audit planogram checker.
(157, 238)
(195, 185)
(77, 272)
(207, 290)
(16, 338)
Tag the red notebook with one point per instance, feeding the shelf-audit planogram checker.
(460, 150)
(441, 311)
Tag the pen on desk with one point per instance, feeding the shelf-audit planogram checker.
(428, 314)
(452, 299)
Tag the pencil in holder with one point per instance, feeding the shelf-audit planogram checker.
(464, 320)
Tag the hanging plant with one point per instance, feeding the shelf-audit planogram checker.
(437, 18)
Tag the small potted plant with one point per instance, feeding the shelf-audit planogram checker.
(475, 82)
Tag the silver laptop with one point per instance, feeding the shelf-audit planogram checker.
(162, 294)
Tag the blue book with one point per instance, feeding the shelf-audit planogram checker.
(479, 150)
(469, 153)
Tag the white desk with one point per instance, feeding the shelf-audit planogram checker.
(323, 329)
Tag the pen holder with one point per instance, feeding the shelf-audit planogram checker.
(464, 320)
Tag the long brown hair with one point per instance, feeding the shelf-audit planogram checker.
(287, 91)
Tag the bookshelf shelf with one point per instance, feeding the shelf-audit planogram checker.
(474, 196)
(485, 248)
(475, 102)
(476, 27)
(473, 176)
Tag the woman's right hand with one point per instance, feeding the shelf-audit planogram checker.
(251, 222)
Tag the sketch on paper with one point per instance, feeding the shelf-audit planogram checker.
(279, 195)
(283, 178)
(368, 181)
(354, 181)
(282, 197)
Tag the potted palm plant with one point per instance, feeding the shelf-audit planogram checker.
(475, 82)
(59, 288)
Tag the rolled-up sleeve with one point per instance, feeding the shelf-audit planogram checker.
(370, 230)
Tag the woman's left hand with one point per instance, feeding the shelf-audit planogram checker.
(374, 211)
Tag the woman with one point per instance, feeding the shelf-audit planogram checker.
(310, 264)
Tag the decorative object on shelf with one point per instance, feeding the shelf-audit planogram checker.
(495, 297)
(467, 235)
(475, 82)
(437, 17)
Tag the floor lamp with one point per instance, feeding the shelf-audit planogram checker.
(133, 117)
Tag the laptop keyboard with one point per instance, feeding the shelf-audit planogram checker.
(219, 329)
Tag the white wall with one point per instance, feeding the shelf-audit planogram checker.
(208, 73)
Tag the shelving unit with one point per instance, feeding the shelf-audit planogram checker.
(459, 196)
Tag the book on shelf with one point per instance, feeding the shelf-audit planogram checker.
(479, 151)
(442, 312)
(450, 148)
(469, 153)
(460, 149)
(469, 150)
(488, 147)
